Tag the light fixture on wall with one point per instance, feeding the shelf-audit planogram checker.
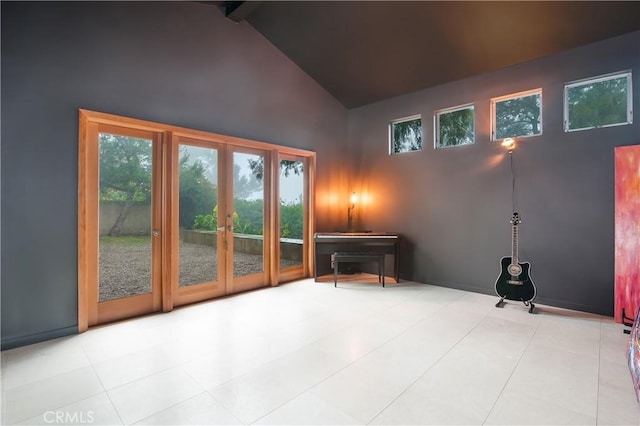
(509, 144)
(353, 199)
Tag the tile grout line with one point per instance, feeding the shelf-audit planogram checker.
(341, 369)
(57, 407)
(599, 366)
(427, 370)
(513, 371)
(359, 321)
(106, 392)
(189, 399)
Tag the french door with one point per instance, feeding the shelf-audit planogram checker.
(170, 216)
(219, 229)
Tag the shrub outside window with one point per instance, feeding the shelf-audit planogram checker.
(517, 115)
(454, 126)
(405, 135)
(598, 102)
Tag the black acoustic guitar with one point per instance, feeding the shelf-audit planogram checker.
(514, 282)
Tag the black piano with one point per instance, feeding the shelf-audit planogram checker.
(326, 243)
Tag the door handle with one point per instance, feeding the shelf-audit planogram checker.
(155, 232)
(221, 228)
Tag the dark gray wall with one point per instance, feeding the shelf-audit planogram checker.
(453, 205)
(178, 63)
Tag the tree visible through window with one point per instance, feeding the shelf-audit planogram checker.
(125, 174)
(455, 126)
(405, 135)
(517, 115)
(598, 102)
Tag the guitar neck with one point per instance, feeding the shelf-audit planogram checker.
(514, 244)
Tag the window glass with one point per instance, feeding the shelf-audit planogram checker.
(598, 102)
(198, 215)
(405, 135)
(517, 115)
(125, 216)
(454, 126)
(291, 212)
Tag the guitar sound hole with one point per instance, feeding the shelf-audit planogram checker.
(515, 269)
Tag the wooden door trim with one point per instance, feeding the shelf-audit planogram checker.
(169, 250)
(87, 171)
(113, 310)
(274, 223)
(309, 225)
(134, 123)
(157, 222)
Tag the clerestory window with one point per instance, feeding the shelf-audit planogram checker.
(454, 126)
(601, 101)
(405, 135)
(517, 115)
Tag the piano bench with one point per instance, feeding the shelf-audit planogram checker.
(338, 257)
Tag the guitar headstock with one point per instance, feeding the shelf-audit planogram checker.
(515, 219)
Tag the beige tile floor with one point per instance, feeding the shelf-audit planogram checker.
(309, 353)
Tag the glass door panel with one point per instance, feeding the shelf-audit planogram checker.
(128, 239)
(291, 214)
(198, 215)
(124, 216)
(198, 228)
(247, 219)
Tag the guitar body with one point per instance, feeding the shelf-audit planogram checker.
(515, 287)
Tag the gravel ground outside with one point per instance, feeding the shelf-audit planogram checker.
(125, 268)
